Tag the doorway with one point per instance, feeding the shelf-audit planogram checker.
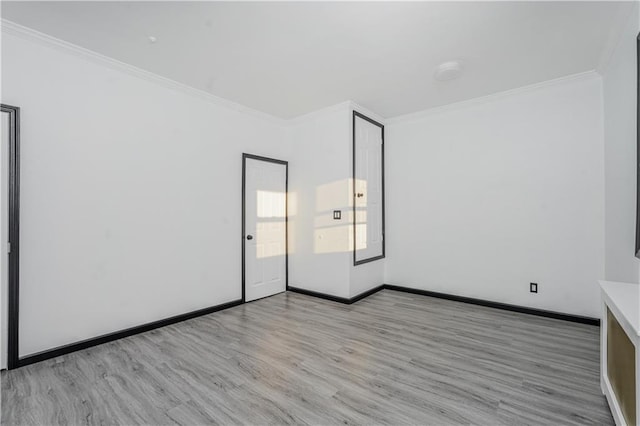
(9, 235)
(264, 227)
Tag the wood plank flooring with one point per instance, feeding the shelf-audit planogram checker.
(392, 358)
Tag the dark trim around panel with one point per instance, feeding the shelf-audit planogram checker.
(14, 236)
(353, 187)
(638, 147)
(244, 213)
(95, 341)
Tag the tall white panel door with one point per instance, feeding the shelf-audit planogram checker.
(265, 227)
(5, 125)
(368, 175)
(9, 229)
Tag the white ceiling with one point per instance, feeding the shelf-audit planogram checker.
(289, 58)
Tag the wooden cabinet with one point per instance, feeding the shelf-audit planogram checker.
(620, 354)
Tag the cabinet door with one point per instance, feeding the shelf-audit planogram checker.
(621, 368)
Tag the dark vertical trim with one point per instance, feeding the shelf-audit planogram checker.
(384, 206)
(638, 147)
(384, 238)
(286, 225)
(244, 214)
(354, 220)
(244, 208)
(13, 301)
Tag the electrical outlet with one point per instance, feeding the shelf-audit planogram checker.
(337, 214)
(533, 287)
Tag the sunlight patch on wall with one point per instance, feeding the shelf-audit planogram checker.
(332, 239)
(271, 209)
(331, 196)
(330, 235)
(270, 239)
(271, 204)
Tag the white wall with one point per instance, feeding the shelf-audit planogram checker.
(319, 182)
(131, 195)
(619, 88)
(488, 196)
(365, 276)
(321, 248)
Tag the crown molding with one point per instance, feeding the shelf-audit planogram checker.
(414, 116)
(11, 28)
(366, 111)
(301, 119)
(346, 106)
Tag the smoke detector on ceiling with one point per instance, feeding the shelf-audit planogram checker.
(448, 71)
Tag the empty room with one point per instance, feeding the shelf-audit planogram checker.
(364, 213)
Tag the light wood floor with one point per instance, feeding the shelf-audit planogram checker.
(392, 358)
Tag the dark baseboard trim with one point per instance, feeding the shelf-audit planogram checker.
(95, 341)
(73, 347)
(498, 305)
(319, 295)
(470, 300)
(366, 293)
(345, 300)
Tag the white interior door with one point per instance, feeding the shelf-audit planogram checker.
(265, 228)
(368, 185)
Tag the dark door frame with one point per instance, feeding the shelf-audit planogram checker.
(637, 250)
(14, 235)
(244, 213)
(384, 239)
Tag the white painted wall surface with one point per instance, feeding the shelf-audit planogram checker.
(366, 276)
(619, 83)
(321, 248)
(319, 182)
(490, 195)
(130, 196)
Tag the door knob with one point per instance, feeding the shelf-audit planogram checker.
(249, 237)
